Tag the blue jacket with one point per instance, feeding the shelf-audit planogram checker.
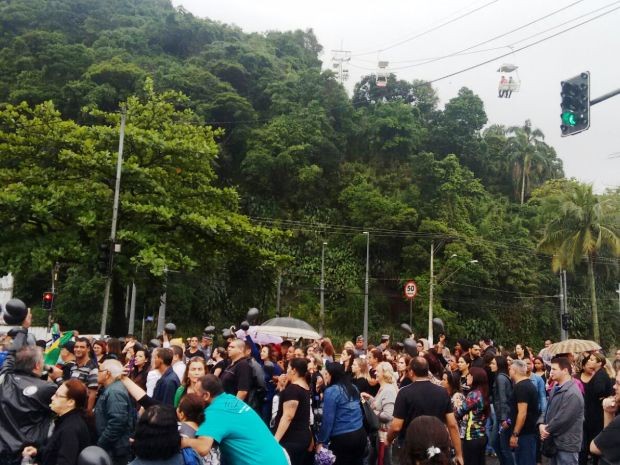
(341, 414)
(166, 387)
(542, 392)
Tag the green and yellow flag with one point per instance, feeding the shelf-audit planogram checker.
(53, 352)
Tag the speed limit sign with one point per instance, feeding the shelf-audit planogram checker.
(411, 289)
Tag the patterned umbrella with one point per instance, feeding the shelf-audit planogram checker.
(573, 346)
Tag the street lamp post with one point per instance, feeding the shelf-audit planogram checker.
(322, 315)
(431, 290)
(366, 290)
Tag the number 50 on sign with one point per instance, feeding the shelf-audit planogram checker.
(411, 289)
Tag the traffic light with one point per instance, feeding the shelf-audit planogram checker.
(575, 104)
(48, 301)
(103, 262)
(566, 321)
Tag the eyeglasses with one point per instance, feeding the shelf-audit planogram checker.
(60, 396)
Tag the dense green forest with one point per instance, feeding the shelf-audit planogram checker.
(242, 157)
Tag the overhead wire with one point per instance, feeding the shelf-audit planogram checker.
(427, 31)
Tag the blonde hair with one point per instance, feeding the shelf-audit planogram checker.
(388, 373)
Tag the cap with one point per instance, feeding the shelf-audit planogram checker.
(207, 336)
(69, 345)
(359, 338)
(385, 337)
(15, 312)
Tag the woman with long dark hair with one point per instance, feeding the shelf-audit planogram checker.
(342, 426)
(346, 359)
(71, 432)
(141, 364)
(402, 366)
(190, 384)
(476, 411)
(502, 404)
(463, 365)
(292, 421)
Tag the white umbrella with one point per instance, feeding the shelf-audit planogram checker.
(259, 337)
(287, 327)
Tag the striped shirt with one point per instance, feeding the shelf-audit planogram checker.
(86, 373)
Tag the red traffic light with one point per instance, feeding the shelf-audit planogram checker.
(48, 300)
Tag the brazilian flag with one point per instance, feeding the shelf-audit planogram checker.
(53, 351)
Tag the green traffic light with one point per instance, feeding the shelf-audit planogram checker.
(568, 118)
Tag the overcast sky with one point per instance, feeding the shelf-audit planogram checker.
(371, 30)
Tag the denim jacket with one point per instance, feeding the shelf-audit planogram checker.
(341, 414)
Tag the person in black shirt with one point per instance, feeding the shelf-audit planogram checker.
(293, 418)
(193, 350)
(423, 398)
(237, 378)
(606, 443)
(525, 395)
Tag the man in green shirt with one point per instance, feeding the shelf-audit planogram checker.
(243, 437)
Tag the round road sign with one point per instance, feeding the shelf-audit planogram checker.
(411, 289)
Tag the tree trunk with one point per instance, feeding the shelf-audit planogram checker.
(523, 184)
(595, 328)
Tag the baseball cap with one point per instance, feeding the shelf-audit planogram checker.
(385, 337)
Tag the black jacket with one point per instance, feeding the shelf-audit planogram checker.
(24, 403)
(70, 436)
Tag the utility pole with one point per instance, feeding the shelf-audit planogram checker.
(563, 333)
(431, 283)
(340, 59)
(55, 269)
(279, 293)
(322, 314)
(117, 189)
(618, 291)
(161, 317)
(565, 293)
(132, 309)
(366, 290)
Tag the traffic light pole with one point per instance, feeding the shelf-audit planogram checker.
(604, 97)
(119, 165)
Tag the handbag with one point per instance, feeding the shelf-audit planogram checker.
(371, 420)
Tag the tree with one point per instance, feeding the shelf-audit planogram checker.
(528, 151)
(580, 224)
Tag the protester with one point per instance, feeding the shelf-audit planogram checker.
(606, 443)
(504, 410)
(526, 407)
(383, 406)
(427, 442)
(220, 357)
(241, 434)
(361, 375)
(597, 386)
(139, 373)
(157, 440)
(100, 349)
(562, 423)
(237, 377)
(463, 366)
(194, 350)
(342, 426)
(292, 421)
(24, 400)
(71, 433)
(420, 398)
(195, 370)
(167, 385)
(402, 365)
(114, 413)
(476, 408)
(85, 369)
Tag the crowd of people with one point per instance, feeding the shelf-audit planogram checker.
(184, 402)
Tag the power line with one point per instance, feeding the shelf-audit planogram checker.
(432, 29)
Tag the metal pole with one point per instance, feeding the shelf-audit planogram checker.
(127, 301)
(410, 312)
(279, 293)
(366, 290)
(132, 309)
(322, 314)
(117, 188)
(603, 97)
(565, 293)
(161, 317)
(430, 297)
(618, 291)
(561, 296)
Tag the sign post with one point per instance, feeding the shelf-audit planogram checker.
(411, 290)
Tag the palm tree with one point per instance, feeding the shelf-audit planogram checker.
(526, 148)
(582, 224)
